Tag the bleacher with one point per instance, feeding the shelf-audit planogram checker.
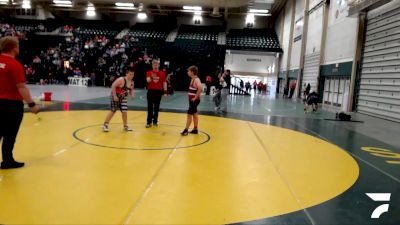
(30, 26)
(149, 37)
(92, 32)
(253, 39)
(148, 31)
(203, 33)
(194, 45)
(197, 40)
(25, 28)
(148, 34)
(85, 29)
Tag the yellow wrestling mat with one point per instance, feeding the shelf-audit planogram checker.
(233, 171)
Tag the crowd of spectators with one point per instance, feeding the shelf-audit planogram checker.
(88, 52)
(9, 30)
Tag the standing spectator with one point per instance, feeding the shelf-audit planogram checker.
(195, 89)
(225, 90)
(227, 79)
(92, 78)
(285, 91)
(307, 90)
(311, 100)
(292, 87)
(170, 86)
(260, 86)
(157, 85)
(217, 94)
(248, 86)
(12, 91)
(255, 86)
(208, 84)
(28, 73)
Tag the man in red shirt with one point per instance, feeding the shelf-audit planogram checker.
(12, 91)
(157, 86)
(292, 87)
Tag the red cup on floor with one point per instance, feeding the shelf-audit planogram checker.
(47, 96)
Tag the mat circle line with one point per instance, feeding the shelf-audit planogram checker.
(75, 135)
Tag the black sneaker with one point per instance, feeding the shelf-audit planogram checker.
(194, 131)
(155, 124)
(11, 165)
(185, 132)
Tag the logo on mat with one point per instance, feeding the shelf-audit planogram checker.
(379, 197)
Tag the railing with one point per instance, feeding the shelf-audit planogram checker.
(237, 90)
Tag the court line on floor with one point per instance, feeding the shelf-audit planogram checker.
(150, 185)
(285, 180)
(268, 109)
(86, 141)
(44, 120)
(291, 109)
(57, 153)
(44, 157)
(354, 155)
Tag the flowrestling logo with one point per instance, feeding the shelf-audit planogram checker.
(379, 197)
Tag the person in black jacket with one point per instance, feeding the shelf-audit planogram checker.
(312, 100)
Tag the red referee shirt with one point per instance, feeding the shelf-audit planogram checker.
(11, 74)
(158, 80)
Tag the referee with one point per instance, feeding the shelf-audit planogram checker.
(12, 91)
(157, 86)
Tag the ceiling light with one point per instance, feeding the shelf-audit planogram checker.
(62, 2)
(197, 18)
(26, 4)
(125, 8)
(250, 18)
(142, 16)
(259, 11)
(124, 4)
(90, 7)
(196, 8)
(91, 13)
(264, 1)
(62, 5)
(91, 10)
(261, 14)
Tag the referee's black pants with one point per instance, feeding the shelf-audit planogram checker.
(153, 105)
(11, 114)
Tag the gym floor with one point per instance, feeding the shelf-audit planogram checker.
(263, 162)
